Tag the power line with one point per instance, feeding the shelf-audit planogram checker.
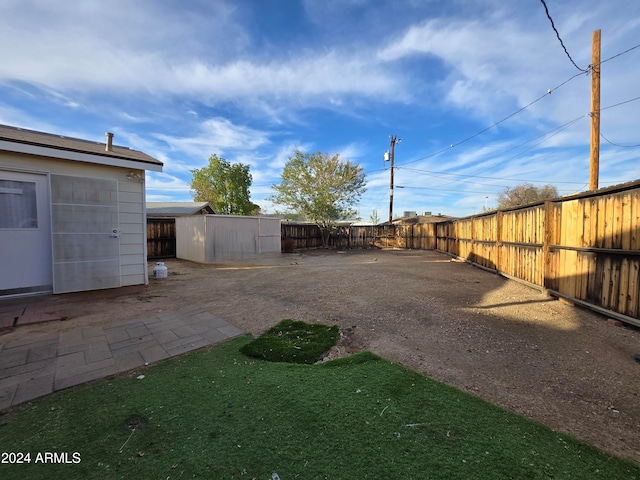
(547, 136)
(496, 123)
(465, 191)
(481, 131)
(618, 54)
(445, 190)
(552, 133)
(557, 130)
(617, 105)
(621, 103)
(489, 178)
(560, 39)
(616, 144)
(549, 91)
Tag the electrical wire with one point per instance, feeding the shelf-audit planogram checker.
(547, 136)
(442, 189)
(616, 144)
(465, 191)
(549, 91)
(489, 178)
(557, 130)
(584, 70)
(617, 105)
(621, 103)
(619, 54)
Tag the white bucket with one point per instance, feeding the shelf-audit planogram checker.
(160, 271)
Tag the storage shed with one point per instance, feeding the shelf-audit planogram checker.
(161, 225)
(219, 238)
(72, 213)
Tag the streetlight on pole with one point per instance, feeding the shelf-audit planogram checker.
(391, 157)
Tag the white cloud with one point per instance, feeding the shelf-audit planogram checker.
(138, 47)
(216, 135)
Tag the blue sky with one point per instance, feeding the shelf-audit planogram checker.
(252, 80)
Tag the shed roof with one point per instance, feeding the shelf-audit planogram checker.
(15, 139)
(177, 209)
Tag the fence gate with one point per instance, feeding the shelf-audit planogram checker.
(161, 238)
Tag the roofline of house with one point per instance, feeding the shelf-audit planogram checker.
(77, 155)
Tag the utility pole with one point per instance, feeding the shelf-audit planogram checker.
(394, 140)
(595, 112)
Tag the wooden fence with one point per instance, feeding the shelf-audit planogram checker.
(299, 236)
(585, 248)
(161, 238)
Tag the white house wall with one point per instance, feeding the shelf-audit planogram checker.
(130, 205)
(133, 233)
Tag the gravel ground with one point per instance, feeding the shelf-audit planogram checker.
(563, 366)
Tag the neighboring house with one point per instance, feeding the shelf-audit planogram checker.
(161, 225)
(72, 213)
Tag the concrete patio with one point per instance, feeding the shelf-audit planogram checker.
(37, 365)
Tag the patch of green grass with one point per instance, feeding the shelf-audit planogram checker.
(293, 342)
(221, 415)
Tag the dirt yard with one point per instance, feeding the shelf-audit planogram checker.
(507, 343)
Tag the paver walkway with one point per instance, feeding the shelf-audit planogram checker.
(30, 368)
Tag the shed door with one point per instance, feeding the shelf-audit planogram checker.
(86, 235)
(25, 235)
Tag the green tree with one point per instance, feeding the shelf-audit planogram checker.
(320, 187)
(225, 186)
(525, 193)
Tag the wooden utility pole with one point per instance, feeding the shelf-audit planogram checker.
(595, 111)
(394, 139)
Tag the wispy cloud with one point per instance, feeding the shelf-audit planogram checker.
(215, 135)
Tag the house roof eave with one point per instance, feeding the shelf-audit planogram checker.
(58, 153)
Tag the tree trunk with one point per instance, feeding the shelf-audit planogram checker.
(324, 233)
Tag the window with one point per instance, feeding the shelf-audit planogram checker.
(18, 208)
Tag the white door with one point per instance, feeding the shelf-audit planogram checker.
(86, 234)
(25, 234)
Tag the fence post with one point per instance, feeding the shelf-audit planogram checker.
(472, 249)
(499, 241)
(548, 236)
